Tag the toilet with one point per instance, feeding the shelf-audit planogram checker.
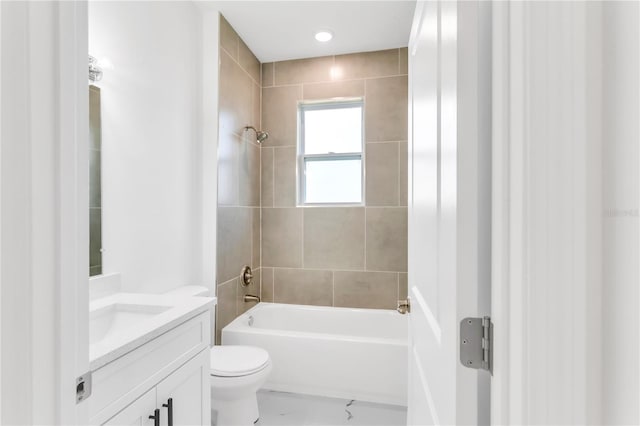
(236, 373)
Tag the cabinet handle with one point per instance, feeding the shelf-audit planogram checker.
(169, 406)
(156, 417)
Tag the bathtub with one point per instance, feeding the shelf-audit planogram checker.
(345, 353)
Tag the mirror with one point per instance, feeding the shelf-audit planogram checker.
(95, 192)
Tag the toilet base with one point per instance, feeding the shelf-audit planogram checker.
(234, 400)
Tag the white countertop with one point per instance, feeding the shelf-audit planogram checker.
(175, 310)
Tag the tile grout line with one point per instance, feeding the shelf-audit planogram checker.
(398, 173)
(237, 62)
(273, 74)
(345, 80)
(333, 288)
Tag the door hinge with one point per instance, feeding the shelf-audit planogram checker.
(476, 343)
(83, 387)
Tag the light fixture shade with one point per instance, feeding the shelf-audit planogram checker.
(324, 36)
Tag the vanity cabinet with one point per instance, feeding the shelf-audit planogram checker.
(137, 413)
(170, 373)
(179, 399)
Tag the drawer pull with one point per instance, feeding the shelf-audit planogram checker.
(169, 406)
(156, 417)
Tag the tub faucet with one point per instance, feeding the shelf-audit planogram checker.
(251, 298)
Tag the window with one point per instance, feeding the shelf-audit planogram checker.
(330, 153)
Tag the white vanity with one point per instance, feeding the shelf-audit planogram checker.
(149, 359)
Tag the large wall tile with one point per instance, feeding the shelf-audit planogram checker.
(282, 237)
(234, 241)
(304, 287)
(386, 109)
(267, 74)
(367, 245)
(256, 235)
(387, 239)
(226, 306)
(280, 114)
(256, 113)
(228, 169)
(334, 237)
(303, 70)
(284, 186)
(236, 96)
(334, 89)
(404, 178)
(266, 180)
(248, 61)
(381, 63)
(404, 60)
(239, 175)
(228, 38)
(383, 179)
(403, 287)
(249, 169)
(377, 290)
(267, 285)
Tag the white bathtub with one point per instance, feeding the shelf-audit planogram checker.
(346, 353)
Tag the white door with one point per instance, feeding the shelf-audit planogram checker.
(449, 207)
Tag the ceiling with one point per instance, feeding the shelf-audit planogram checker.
(280, 30)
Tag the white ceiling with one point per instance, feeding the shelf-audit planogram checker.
(279, 30)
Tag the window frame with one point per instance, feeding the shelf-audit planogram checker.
(302, 157)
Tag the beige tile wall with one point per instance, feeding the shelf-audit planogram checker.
(238, 175)
(336, 256)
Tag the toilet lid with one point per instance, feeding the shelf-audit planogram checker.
(234, 361)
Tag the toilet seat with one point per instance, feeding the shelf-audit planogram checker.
(237, 361)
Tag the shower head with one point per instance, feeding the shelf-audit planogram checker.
(261, 136)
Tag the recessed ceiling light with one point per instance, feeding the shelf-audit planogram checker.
(324, 36)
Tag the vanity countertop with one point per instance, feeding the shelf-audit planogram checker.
(122, 322)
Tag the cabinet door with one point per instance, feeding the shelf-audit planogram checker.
(137, 413)
(188, 388)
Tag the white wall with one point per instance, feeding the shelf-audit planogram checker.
(150, 141)
(620, 148)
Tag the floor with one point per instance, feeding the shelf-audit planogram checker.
(289, 409)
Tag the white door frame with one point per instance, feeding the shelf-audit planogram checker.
(546, 202)
(74, 199)
(44, 233)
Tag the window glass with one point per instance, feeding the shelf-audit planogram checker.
(336, 130)
(338, 181)
(330, 153)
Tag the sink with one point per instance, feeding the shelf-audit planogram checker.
(111, 320)
(122, 322)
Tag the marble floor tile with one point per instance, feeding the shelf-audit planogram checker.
(290, 409)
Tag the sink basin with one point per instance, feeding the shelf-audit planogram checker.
(122, 322)
(111, 320)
